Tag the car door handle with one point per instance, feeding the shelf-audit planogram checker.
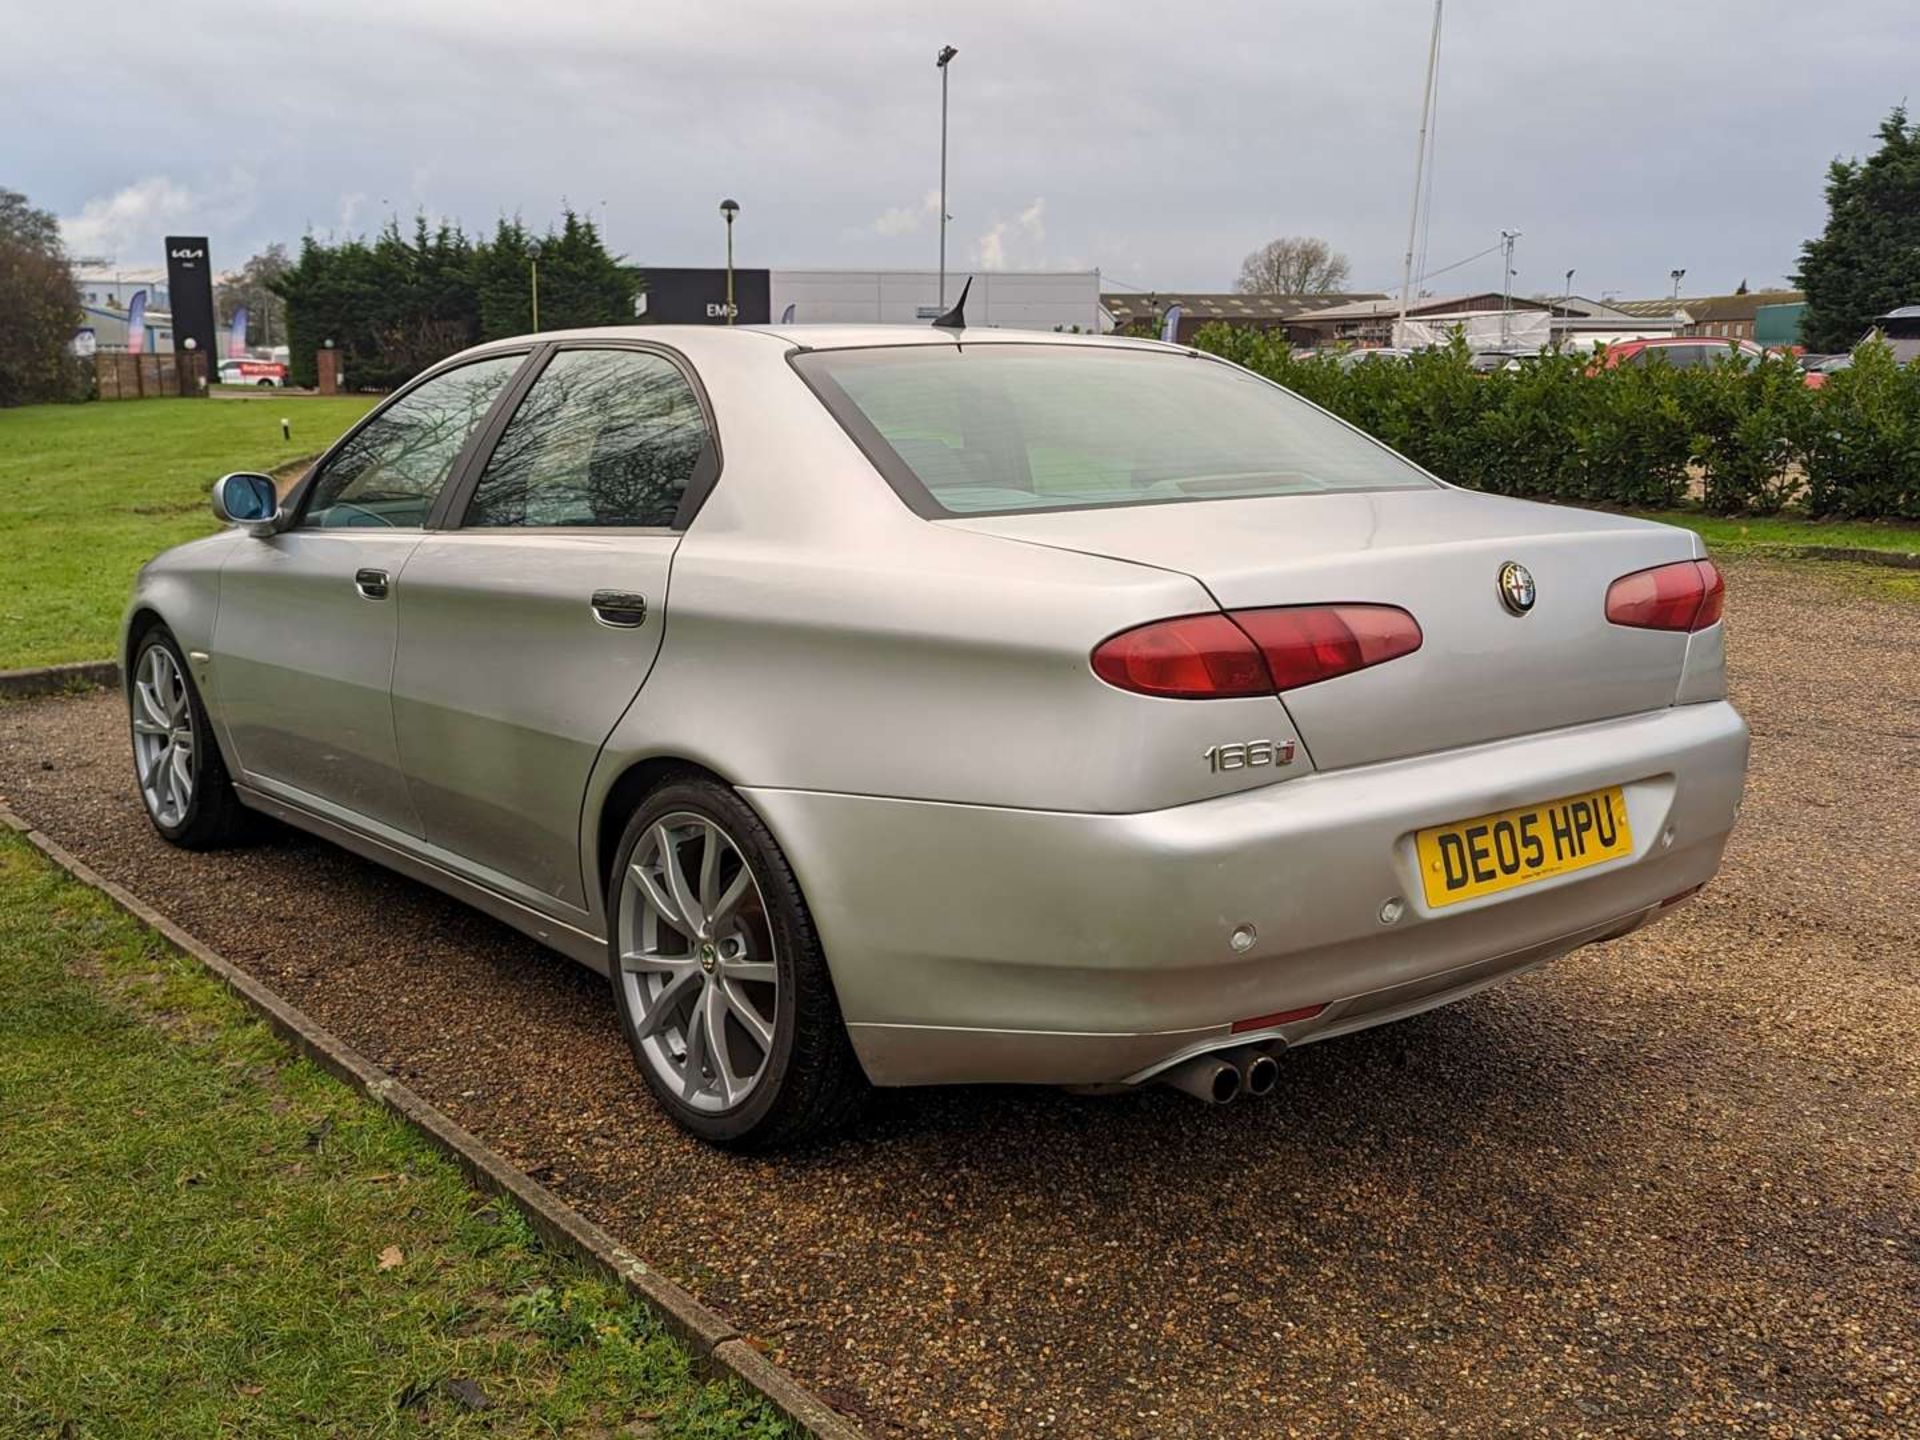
(620, 608)
(372, 584)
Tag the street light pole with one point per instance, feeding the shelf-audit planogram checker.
(947, 52)
(729, 208)
(1507, 239)
(1566, 315)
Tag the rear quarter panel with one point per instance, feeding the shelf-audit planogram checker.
(820, 636)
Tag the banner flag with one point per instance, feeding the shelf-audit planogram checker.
(237, 334)
(137, 323)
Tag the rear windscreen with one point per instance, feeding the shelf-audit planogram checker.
(990, 429)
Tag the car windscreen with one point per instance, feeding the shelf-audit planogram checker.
(983, 429)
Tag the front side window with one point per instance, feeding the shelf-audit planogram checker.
(992, 429)
(603, 438)
(1680, 357)
(390, 471)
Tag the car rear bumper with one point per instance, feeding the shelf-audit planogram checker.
(981, 944)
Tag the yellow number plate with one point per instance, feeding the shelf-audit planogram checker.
(1490, 853)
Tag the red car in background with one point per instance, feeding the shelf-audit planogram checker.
(1688, 352)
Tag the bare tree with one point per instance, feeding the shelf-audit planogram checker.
(252, 285)
(1292, 265)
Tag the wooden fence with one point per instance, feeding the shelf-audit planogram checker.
(119, 376)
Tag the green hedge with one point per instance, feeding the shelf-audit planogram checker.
(1561, 428)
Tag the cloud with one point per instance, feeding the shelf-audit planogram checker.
(129, 224)
(906, 219)
(131, 220)
(1204, 139)
(1018, 238)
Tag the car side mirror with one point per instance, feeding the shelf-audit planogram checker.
(249, 500)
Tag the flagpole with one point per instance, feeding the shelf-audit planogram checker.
(1419, 169)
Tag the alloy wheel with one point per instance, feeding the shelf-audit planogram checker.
(697, 962)
(163, 738)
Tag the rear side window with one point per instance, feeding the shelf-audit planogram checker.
(603, 438)
(391, 470)
(990, 429)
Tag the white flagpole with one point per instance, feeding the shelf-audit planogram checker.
(1419, 169)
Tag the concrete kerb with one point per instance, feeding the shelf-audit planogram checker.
(59, 679)
(718, 1347)
(1893, 559)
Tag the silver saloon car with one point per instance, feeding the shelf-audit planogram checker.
(885, 706)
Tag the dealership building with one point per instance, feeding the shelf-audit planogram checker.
(1009, 299)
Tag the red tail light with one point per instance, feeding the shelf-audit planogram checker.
(1306, 643)
(1687, 595)
(1253, 652)
(1197, 657)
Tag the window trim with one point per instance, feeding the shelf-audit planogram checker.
(302, 494)
(706, 472)
(914, 494)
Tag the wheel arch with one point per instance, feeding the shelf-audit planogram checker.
(624, 796)
(141, 621)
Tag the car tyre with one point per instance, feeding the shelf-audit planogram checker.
(719, 977)
(178, 769)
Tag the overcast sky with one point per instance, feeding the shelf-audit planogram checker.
(1157, 142)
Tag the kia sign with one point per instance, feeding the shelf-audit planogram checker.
(190, 281)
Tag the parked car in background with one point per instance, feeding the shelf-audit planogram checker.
(1486, 362)
(1347, 359)
(1682, 352)
(1690, 352)
(901, 707)
(266, 373)
(1816, 368)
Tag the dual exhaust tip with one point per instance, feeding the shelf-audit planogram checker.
(1224, 1075)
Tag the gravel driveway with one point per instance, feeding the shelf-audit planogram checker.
(1663, 1187)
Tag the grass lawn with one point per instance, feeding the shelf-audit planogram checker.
(202, 1235)
(90, 493)
(1722, 533)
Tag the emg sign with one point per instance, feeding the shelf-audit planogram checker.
(699, 297)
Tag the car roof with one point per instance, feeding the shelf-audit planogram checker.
(1685, 340)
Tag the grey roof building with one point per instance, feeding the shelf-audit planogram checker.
(1251, 311)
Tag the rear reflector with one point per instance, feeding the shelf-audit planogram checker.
(1687, 595)
(1254, 652)
(1279, 1017)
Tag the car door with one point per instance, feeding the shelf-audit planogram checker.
(303, 642)
(530, 623)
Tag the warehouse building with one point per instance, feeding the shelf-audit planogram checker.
(1010, 299)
